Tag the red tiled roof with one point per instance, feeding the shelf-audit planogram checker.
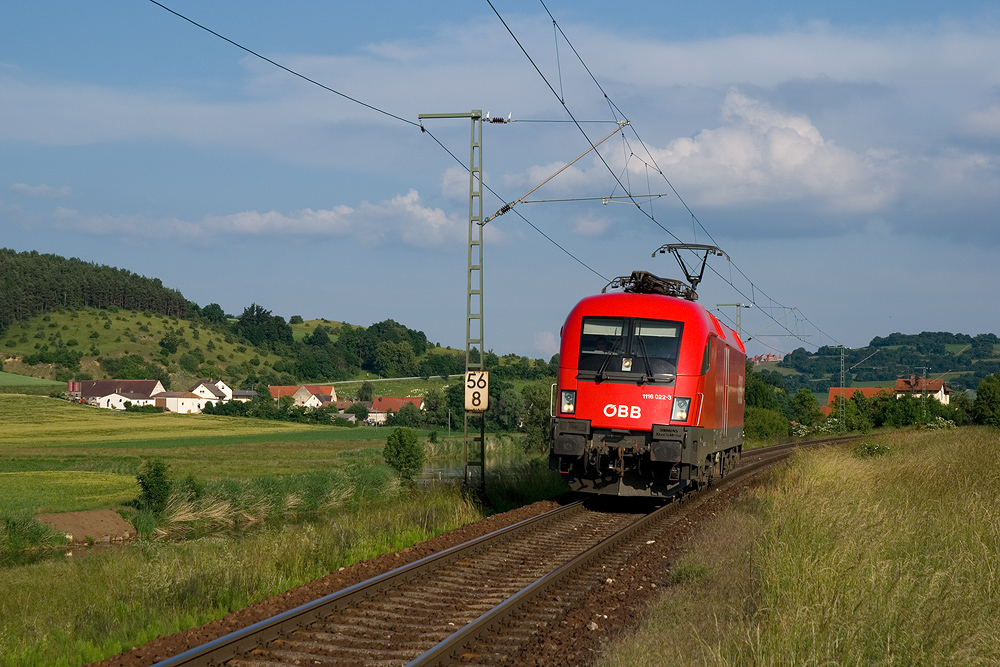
(386, 403)
(867, 392)
(278, 390)
(914, 384)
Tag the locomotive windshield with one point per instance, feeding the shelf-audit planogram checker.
(630, 350)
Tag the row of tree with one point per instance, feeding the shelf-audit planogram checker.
(771, 408)
(897, 355)
(32, 284)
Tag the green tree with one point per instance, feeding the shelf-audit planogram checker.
(213, 313)
(536, 398)
(435, 408)
(366, 392)
(154, 485)
(986, 408)
(404, 452)
(318, 338)
(409, 416)
(259, 327)
(395, 359)
(764, 423)
(805, 408)
(359, 411)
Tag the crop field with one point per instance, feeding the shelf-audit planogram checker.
(13, 383)
(15, 380)
(44, 434)
(62, 491)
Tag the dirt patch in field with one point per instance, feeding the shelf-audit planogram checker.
(90, 526)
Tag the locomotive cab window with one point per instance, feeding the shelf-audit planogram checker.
(629, 350)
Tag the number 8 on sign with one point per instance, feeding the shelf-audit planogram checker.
(477, 391)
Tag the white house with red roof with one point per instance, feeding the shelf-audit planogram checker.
(383, 405)
(917, 386)
(309, 395)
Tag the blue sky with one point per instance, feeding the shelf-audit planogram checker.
(846, 156)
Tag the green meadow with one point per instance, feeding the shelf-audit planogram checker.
(41, 433)
(8, 380)
(45, 491)
(884, 553)
(255, 507)
(58, 457)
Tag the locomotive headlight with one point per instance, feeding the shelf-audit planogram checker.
(681, 408)
(567, 401)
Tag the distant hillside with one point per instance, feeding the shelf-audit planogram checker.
(64, 319)
(961, 360)
(33, 284)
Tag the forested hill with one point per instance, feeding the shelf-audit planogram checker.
(32, 283)
(960, 359)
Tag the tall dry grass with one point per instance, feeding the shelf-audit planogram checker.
(850, 559)
(61, 613)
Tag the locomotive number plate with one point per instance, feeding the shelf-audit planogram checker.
(477, 391)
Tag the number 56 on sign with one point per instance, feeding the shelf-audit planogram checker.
(477, 391)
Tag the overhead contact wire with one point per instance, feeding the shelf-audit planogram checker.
(378, 110)
(616, 111)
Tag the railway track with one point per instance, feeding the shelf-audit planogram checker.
(480, 602)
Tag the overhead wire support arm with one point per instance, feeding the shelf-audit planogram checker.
(506, 207)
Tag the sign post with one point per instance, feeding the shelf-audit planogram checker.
(477, 401)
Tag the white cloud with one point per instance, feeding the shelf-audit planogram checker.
(591, 225)
(546, 342)
(984, 122)
(762, 155)
(400, 220)
(455, 184)
(42, 190)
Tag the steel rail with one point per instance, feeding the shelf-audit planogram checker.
(218, 651)
(445, 651)
(239, 642)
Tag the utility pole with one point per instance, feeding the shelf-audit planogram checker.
(843, 398)
(474, 280)
(923, 390)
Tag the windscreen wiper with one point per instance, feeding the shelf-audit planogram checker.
(600, 372)
(649, 377)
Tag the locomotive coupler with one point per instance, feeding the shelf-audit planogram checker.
(619, 465)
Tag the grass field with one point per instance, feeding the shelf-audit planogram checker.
(29, 493)
(15, 380)
(13, 383)
(844, 558)
(44, 434)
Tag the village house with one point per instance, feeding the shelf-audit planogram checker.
(114, 394)
(117, 400)
(911, 386)
(181, 402)
(383, 405)
(308, 395)
(918, 387)
(848, 393)
(92, 391)
(213, 390)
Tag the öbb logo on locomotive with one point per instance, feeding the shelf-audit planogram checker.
(649, 389)
(623, 411)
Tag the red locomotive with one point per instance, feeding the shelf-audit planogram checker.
(650, 391)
